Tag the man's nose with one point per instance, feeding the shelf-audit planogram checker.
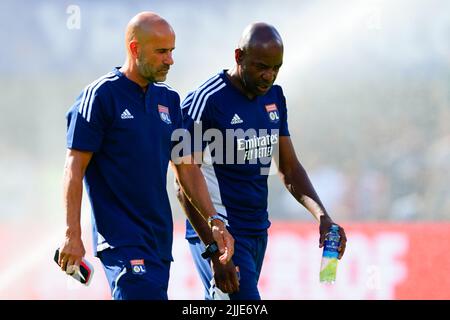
(268, 75)
(168, 59)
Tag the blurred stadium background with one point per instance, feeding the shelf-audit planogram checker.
(367, 85)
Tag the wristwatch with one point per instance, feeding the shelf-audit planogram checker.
(210, 250)
(216, 217)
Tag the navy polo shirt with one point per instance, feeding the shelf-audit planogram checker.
(129, 133)
(238, 188)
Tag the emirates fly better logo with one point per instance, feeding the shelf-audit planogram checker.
(234, 146)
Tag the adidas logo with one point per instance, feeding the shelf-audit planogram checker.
(236, 119)
(126, 115)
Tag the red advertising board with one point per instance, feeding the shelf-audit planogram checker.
(382, 261)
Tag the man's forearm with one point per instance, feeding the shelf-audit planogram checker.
(72, 250)
(194, 186)
(198, 223)
(73, 191)
(300, 186)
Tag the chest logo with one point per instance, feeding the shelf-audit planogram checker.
(164, 114)
(272, 112)
(126, 115)
(236, 119)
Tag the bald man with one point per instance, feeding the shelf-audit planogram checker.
(119, 140)
(245, 102)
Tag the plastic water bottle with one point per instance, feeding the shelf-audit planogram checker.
(330, 254)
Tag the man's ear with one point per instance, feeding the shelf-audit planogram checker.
(133, 46)
(238, 55)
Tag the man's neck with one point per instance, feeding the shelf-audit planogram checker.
(130, 71)
(238, 82)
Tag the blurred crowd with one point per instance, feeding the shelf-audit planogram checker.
(388, 165)
(367, 90)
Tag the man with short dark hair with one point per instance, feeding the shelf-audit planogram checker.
(245, 102)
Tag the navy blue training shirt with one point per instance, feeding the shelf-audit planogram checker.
(236, 174)
(129, 133)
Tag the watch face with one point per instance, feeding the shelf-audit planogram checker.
(213, 248)
(210, 250)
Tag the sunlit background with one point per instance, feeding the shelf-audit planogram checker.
(367, 88)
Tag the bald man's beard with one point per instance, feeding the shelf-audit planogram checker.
(149, 72)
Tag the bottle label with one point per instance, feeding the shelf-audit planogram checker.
(329, 257)
(331, 247)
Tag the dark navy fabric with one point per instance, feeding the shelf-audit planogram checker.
(238, 189)
(134, 273)
(129, 132)
(248, 256)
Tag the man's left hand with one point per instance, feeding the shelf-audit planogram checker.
(225, 241)
(324, 228)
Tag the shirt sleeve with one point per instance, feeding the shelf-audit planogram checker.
(86, 122)
(195, 122)
(177, 118)
(284, 130)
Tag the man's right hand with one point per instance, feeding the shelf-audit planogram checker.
(225, 275)
(72, 250)
(70, 254)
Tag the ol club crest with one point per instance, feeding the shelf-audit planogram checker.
(272, 112)
(138, 266)
(164, 114)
